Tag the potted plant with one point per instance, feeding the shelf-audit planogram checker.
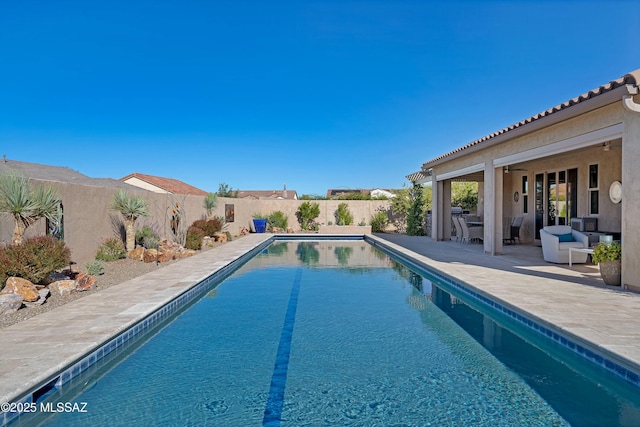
(608, 257)
(259, 222)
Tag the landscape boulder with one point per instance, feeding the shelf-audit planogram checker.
(9, 303)
(150, 255)
(43, 293)
(137, 253)
(84, 282)
(22, 287)
(63, 287)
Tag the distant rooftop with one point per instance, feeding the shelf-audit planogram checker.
(268, 194)
(57, 174)
(159, 184)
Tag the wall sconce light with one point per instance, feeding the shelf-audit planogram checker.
(606, 146)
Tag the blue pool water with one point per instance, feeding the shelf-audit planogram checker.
(338, 333)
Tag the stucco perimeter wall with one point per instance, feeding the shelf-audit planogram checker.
(88, 219)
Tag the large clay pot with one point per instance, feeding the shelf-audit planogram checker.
(611, 272)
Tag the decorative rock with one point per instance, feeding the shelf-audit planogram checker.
(10, 302)
(188, 253)
(22, 287)
(150, 255)
(84, 282)
(220, 237)
(54, 277)
(64, 287)
(44, 293)
(277, 230)
(290, 230)
(137, 253)
(167, 255)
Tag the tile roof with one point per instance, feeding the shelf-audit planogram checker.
(267, 194)
(170, 185)
(632, 78)
(57, 174)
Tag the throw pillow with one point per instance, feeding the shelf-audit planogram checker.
(565, 237)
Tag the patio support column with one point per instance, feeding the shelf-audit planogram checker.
(446, 209)
(498, 196)
(437, 211)
(490, 205)
(630, 201)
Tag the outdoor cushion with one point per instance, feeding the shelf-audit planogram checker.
(565, 237)
(566, 245)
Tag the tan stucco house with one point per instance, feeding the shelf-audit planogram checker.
(563, 163)
(159, 184)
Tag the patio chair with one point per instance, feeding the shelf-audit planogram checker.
(506, 229)
(556, 241)
(515, 228)
(471, 233)
(456, 224)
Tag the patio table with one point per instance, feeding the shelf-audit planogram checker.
(583, 250)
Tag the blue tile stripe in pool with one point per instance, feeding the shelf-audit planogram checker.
(117, 343)
(273, 410)
(577, 348)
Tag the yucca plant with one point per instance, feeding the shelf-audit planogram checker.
(210, 202)
(26, 203)
(131, 208)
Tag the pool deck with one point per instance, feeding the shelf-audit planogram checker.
(574, 300)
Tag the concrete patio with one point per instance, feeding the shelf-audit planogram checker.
(574, 300)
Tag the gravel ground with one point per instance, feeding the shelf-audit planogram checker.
(115, 272)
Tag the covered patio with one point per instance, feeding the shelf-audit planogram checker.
(563, 166)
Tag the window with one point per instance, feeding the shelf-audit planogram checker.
(593, 190)
(525, 194)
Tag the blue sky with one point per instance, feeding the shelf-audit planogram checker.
(311, 94)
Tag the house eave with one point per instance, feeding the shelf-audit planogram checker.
(534, 124)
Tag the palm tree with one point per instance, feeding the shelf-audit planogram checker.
(26, 203)
(210, 202)
(131, 208)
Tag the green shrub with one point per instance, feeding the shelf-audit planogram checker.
(194, 238)
(343, 215)
(34, 259)
(111, 249)
(606, 252)
(95, 268)
(278, 219)
(147, 237)
(307, 212)
(379, 222)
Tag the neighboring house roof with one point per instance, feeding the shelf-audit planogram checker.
(333, 192)
(599, 93)
(336, 192)
(57, 174)
(268, 194)
(162, 185)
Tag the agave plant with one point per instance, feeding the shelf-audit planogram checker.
(131, 208)
(26, 203)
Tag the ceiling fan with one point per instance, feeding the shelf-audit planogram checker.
(507, 169)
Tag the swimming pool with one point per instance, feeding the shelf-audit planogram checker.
(339, 333)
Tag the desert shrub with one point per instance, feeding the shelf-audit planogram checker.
(34, 259)
(210, 226)
(343, 215)
(379, 222)
(194, 238)
(147, 237)
(95, 268)
(278, 219)
(111, 249)
(307, 212)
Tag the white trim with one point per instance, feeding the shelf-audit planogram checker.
(588, 139)
(459, 172)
